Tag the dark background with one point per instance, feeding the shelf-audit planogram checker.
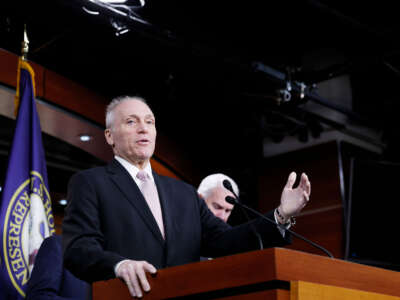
(212, 73)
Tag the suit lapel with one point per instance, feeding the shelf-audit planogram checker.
(134, 196)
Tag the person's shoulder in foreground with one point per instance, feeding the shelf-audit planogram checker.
(49, 278)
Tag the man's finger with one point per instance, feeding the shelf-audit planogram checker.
(308, 189)
(125, 277)
(303, 181)
(124, 272)
(291, 180)
(305, 195)
(142, 278)
(149, 268)
(134, 281)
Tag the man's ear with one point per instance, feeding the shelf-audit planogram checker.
(108, 136)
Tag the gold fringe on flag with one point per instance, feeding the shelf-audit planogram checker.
(22, 64)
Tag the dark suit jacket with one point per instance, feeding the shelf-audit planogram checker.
(49, 279)
(108, 220)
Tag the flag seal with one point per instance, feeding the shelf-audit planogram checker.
(28, 221)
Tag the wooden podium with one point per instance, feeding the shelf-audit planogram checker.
(274, 273)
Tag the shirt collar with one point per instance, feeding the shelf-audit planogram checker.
(132, 169)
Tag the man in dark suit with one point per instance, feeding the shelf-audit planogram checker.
(50, 280)
(124, 220)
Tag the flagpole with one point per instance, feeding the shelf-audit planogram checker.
(23, 63)
(26, 217)
(25, 46)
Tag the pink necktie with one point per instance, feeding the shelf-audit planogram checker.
(149, 191)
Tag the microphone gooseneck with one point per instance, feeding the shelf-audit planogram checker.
(234, 201)
(227, 184)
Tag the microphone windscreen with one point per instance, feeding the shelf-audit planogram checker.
(228, 185)
(230, 200)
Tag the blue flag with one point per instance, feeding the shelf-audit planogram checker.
(26, 217)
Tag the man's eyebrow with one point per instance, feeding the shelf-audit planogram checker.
(137, 117)
(132, 116)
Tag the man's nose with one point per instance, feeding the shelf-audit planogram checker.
(142, 127)
(225, 217)
(222, 216)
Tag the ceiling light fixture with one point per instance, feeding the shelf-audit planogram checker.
(121, 32)
(113, 1)
(90, 12)
(120, 28)
(85, 137)
(62, 202)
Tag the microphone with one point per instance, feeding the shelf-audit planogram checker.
(227, 184)
(234, 201)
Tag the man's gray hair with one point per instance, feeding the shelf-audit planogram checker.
(215, 180)
(114, 103)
